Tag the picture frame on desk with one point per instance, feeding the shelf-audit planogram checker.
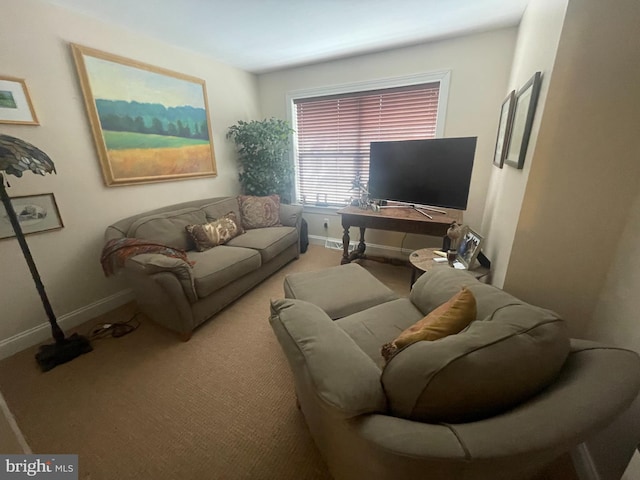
(469, 248)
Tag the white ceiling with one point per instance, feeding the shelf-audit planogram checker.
(265, 35)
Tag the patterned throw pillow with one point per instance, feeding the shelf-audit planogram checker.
(215, 233)
(448, 319)
(259, 212)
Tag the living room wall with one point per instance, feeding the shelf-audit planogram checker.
(480, 65)
(536, 48)
(575, 244)
(35, 47)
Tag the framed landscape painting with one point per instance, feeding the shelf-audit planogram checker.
(149, 124)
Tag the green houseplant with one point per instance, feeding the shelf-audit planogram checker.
(263, 148)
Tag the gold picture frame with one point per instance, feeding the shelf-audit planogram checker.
(149, 124)
(15, 102)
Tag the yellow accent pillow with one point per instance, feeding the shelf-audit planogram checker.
(449, 318)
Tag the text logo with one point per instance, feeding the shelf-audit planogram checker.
(50, 467)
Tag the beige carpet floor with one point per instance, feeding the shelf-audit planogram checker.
(148, 406)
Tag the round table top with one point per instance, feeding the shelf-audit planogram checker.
(423, 260)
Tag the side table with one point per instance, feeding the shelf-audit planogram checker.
(423, 260)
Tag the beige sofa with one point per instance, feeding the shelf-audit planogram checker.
(181, 297)
(500, 400)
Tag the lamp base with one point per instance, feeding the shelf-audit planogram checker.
(49, 356)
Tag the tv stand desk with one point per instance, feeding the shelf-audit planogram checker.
(405, 220)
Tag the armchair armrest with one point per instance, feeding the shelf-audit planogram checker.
(150, 263)
(343, 376)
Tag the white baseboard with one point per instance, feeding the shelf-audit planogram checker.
(372, 248)
(42, 332)
(15, 429)
(583, 463)
(633, 469)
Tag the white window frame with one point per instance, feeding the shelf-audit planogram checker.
(442, 76)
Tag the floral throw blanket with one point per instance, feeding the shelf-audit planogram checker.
(116, 251)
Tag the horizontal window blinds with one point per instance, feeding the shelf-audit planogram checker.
(334, 133)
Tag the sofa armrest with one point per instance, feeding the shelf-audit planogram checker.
(291, 215)
(150, 263)
(343, 376)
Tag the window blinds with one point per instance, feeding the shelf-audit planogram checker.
(334, 133)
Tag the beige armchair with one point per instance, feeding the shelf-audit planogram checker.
(498, 401)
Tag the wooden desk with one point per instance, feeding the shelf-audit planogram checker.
(405, 220)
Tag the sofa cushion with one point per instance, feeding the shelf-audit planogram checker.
(221, 207)
(447, 319)
(490, 367)
(168, 228)
(259, 212)
(270, 242)
(220, 266)
(216, 232)
(380, 324)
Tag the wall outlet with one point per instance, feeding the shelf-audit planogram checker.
(326, 223)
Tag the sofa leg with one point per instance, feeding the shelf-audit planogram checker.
(185, 336)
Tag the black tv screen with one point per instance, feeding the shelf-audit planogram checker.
(434, 172)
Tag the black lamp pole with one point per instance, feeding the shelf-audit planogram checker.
(58, 335)
(16, 157)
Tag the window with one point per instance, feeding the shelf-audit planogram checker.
(333, 133)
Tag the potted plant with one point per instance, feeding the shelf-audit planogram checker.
(263, 148)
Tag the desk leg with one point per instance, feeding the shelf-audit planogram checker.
(361, 246)
(345, 245)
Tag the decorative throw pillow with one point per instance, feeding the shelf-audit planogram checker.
(215, 233)
(259, 212)
(449, 318)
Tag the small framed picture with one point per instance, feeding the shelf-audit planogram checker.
(15, 104)
(469, 247)
(36, 213)
(504, 129)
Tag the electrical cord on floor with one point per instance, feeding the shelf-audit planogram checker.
(115, 329)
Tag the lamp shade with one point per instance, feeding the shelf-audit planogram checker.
(17, 156)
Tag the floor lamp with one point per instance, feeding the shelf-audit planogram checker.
(17, 156)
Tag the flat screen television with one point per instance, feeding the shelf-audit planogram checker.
(434, 172)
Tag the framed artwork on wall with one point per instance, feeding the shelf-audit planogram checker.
(504, 129)
(149, 124)
(15, 103)
(36, 213)
(524, 111)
